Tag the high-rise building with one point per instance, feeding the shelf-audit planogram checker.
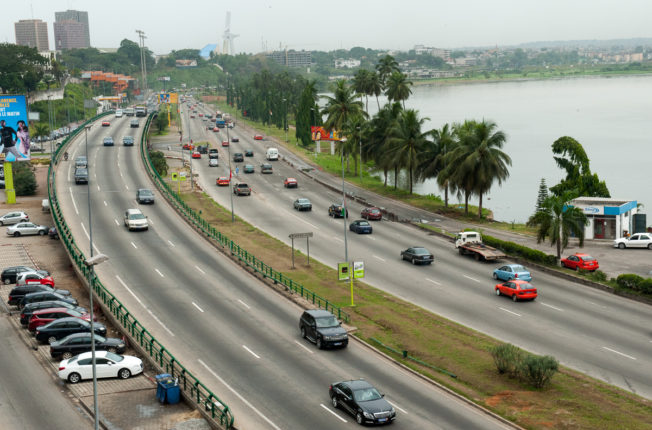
(291, 58)
(71, 30)
(32, 33)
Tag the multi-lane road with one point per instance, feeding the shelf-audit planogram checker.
(237, 335)
(603, 335)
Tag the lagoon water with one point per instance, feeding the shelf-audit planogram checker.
(610, 116)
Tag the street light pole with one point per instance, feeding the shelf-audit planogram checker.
(346, 248)
(360, 144)
(285, 122)
(228, 139)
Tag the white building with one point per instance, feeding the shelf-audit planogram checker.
(608, 218)
(350, 63)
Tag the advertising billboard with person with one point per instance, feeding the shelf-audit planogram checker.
(14, 132)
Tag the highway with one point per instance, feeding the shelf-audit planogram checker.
(600, 334)
(237, 335)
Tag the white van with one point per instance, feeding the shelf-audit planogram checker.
(272, 154)
(118, 113)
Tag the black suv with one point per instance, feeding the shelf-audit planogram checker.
(363, 401)
(10, 274)
(335, 210)
(322, 328)
(63, 327)
(16, 295)
(43, 296)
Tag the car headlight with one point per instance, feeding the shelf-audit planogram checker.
(392, 411)
(327, 337)
(368, 415)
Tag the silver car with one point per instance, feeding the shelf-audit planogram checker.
(26, 229)
(13, 218)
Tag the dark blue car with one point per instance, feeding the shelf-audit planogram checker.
(361, 226)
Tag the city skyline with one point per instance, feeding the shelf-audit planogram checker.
(378, 25)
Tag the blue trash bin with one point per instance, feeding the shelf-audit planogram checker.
(167, 389)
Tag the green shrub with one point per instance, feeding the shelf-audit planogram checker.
(538, 370)
(24, 179)
(507, 358)
(598, 276)
(645, 286)
(159, 163)
(629, 281)
(512, 248)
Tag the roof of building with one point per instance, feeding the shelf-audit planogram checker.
(600, 201)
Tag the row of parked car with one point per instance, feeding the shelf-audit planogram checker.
(20, 225)
(54, 317)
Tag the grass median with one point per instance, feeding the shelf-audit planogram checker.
(572, 400)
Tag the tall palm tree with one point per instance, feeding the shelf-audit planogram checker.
(407, 142)
(360, 85)
(433, 158)
(558, 220)
(374, 86)
(385, 67)
(341, 106)
(381, 131)
(398, 87)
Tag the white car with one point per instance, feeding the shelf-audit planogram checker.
(135, 220)
(212, 162)
(27, 228)
(638, 240)
(13, 218)
(107, 365)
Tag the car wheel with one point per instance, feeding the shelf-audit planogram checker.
(7, 281)
(41, 233)
(649, 246)
(2, 223)
(17, 234)
(124, 374)
(358, 418)
(66, 355)
(413, 261)
(498, 291)
(51, 339)
(320, 345)
(303, 332)
(621, 245)
(495, 276)
(73, 378)
(514, 298)
(334, 402)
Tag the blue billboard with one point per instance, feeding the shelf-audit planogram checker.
(14, 132)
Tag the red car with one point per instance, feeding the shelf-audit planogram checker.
(580, 261)
(517, 290)
(201, 115)
(196, 154)
(188, 146)
(371, 214)
(216, 129)
(290, 183)
(222, 181)
(225, 143)
(43, 281)
(44, 316)
(258, 137)
(105, 123)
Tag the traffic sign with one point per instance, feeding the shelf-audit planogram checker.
(300, 235)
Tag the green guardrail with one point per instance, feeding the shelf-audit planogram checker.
(236, 250)
(192, 387)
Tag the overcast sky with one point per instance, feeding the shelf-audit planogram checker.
(328, 25)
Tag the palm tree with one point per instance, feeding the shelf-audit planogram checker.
(341, 106)
(374, 86)
(558, 220)
(381, 127)
(407, 142)
(360, 85)
(398, 87)
(385, 67)
(433, 158)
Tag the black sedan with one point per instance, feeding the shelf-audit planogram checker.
(10, 274)
(27, 311)
(65, 326)
(238, 157)
(417, 255)
(302, 204)
(363, 401)
(249, 153)
(235, 139)
(336, 210)
(43, 296)
(361, 226)
(77, 343)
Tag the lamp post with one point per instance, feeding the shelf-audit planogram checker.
(285, 121)
(346, 248)
(228, 139)
(51, 125)
(360, 144)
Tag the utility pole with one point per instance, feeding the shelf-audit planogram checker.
(143, 63)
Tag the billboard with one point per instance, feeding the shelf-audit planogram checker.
(168, 98)
(320, 133)
(14, 133)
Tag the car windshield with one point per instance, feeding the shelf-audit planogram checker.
(374, 211)
(82, 172)
(146, 193)
(366, 395)
(302, 201)
(519, 269)
(325, 322)
(363, 223)
(421, 251)
(136, 216)
(243, 186)
(114, 357)
(588, 258)
(525, 286)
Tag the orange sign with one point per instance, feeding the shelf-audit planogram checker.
(320, 133)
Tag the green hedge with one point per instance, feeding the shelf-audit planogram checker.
(634, 282)
(512, 248)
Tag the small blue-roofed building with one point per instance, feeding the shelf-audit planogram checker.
(610, 218)
(205, 52)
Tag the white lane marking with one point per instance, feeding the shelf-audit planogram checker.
(619, 353)
(197, 267)
(244, 304)
(159, 272)
(473, 279)
(337, 416)
(551, 306)
(98, 188)
(381, 259)
(600, 306)
(195, 305)
(134, 245)
(150, 221)
(73, 201)
(507, 310)
(397, 407)
(250, 351)
(171, 244)
(105, 203)
(143, 305)
(434, 282)
(301, 219)
(371, 238)
(245, 401)
(116, 222)
(121, 175)
(126, 186)
(128, 289)
(85, 232)
(338, 239)
(304, 347)
(159, 321)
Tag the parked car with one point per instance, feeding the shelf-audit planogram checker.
(238, 157)
(222, 181)
(107, 141)
(241, 189)
(302, 204)
(336, 210)
(196, 154)
(266, 168)
(145, 196)
(362, 400)
(235, 139)
(135, 220)
(128, 140)
(81, 175)
(248, 168)
(371, 214)
(10, 274)
(34, 278)
(106, 123)
(63, 327)
(43, 296)
(290, 183)
(13, 218)
(107, 365)
(29, 309)
(258, 137)
(18, 293)
(249, 153)
(580, 261)
(512, 271)
(46, 316)
(637, 240)
(417, 255)
(213, 162)
(361, 226)
(516, 289)
(323, 329)
(53, 233)
(78, 343)
(26, 229)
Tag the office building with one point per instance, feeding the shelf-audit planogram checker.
(291, 58)
(71, 30)
(32, 33)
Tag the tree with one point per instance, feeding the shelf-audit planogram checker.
(573, 159)
(21, 68)
(361, 84)
(375, 147)
(385, 67)
(39, 129)
(433, 158)
(408, 141)
(398, 87)
(306, 113)
(24, 179)
(159, 163)
(375, 86)
(341, 106)
(558, 220)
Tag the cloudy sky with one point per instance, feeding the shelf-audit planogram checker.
(327, 25)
